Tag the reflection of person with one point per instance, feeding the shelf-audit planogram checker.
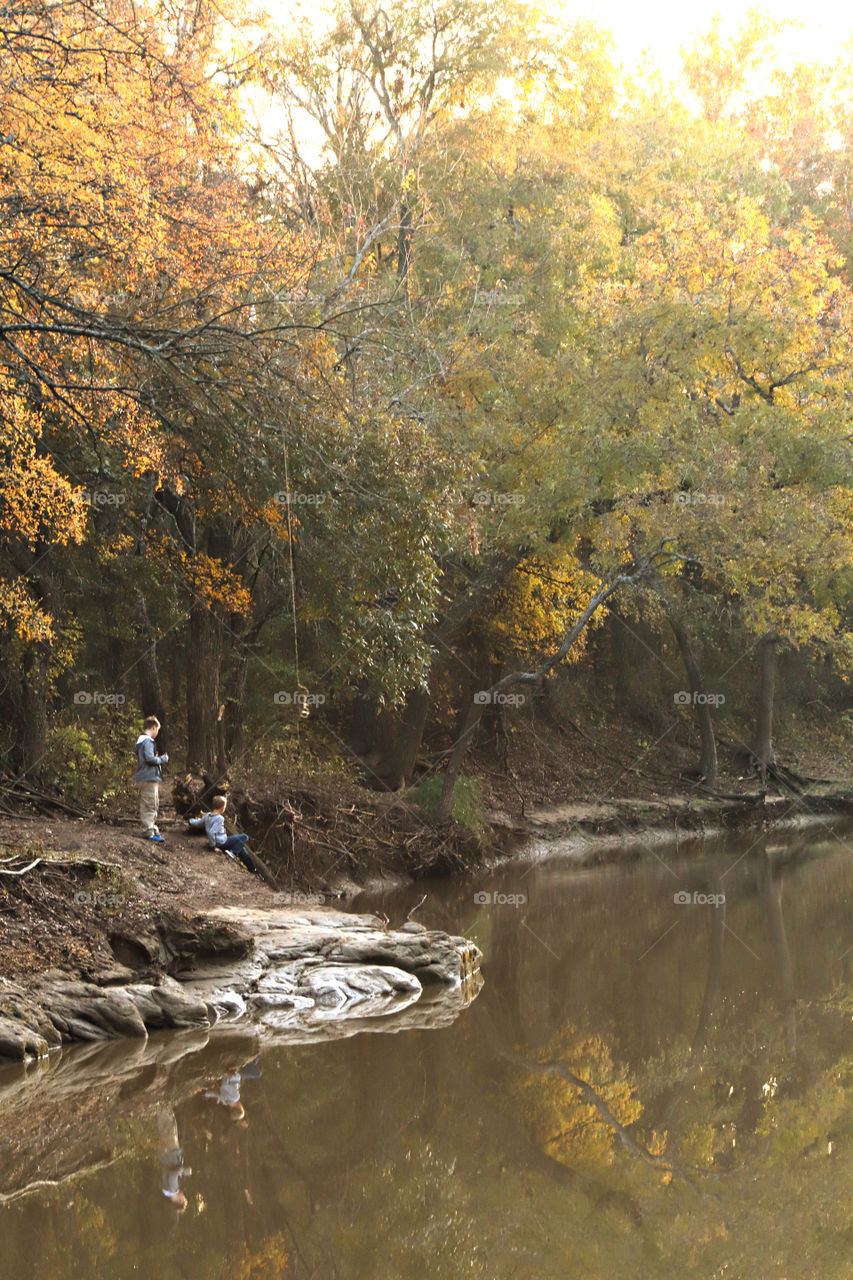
(228, 1093)
(148, 777)
(171, 1157)
(214, 826)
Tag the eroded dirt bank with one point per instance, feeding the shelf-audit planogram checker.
(99, 930)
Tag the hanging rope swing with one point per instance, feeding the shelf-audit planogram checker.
(301, 695)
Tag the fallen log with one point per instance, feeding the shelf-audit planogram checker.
(262, 869)
(43, 799)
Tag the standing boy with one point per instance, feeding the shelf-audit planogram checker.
(149, 775)
(214, 826)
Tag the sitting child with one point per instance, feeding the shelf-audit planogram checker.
(214, 826)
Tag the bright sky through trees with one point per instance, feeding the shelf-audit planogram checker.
(662, 27)
(658, 30)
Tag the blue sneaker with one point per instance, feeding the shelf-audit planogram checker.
(155, 839)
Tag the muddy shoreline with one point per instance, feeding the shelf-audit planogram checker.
(589, 835)
(101, 936)
(613, 835)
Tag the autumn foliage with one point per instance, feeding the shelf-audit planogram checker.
(382, 344)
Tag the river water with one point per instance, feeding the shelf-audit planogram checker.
(656, 1080)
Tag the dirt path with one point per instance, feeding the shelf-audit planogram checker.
(65, 916)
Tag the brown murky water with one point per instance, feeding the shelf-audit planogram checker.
(646, 1086)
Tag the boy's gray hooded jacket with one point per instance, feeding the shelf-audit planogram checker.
(149, 762)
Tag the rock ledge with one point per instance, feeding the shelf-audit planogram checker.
(290, 969)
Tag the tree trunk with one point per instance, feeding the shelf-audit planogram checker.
(457, 757)
(234, 681)
(34, 710)
(205, 658)
(389, 739)
(763, 747)
(204, 662)
(393, 739)
(485, 696)
(150, 691)
(708, 757)
(30, 690)
(398, 765)
(235, 705)
(404, 244)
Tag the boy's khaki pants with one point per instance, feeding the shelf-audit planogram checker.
(149, 803)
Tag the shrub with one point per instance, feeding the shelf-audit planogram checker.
(467, 801)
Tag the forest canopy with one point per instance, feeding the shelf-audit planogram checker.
(345, 364)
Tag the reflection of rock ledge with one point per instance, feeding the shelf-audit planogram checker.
(427, 1013)
(82, 1108)
(303, 972)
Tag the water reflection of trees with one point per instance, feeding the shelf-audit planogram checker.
(593, 1114)
(734, 1102)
